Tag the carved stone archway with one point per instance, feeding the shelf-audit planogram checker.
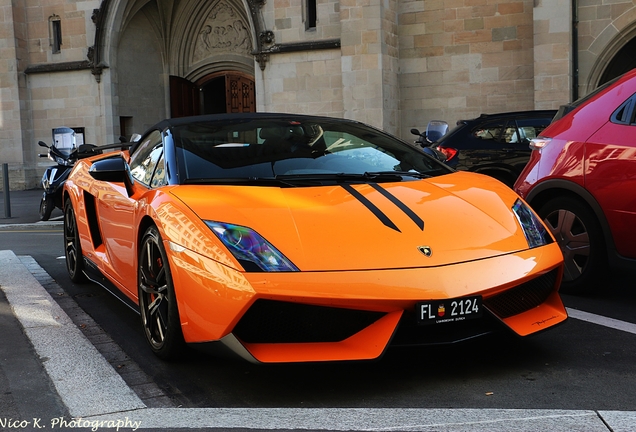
(602, 53)
(110, 19)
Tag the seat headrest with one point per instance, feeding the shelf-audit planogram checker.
(275, 132)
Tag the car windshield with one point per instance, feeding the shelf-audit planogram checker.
(293, 151)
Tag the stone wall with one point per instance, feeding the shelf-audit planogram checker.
(65, 99)
(460, 58)
(303, 83)
(287, 19)
(401, 63)
(552, 52)
(78, 32)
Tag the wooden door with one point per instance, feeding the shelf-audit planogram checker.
(239, 94)
(184, 97)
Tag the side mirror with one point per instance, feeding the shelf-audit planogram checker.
(42, 144)
(415, 131)
(112, 170)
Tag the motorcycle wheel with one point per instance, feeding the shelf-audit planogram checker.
(46, 207)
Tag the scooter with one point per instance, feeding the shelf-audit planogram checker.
(434, 131)
(64, 152)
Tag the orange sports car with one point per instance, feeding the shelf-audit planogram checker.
(291, 238)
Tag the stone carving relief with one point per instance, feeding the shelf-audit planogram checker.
(224, 30)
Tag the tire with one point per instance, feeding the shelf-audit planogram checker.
(72, 246)
(46, 207)
(578, 232)
(157, 299)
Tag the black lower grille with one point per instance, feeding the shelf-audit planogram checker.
(410, 333)
(269, 321)
(523, 297)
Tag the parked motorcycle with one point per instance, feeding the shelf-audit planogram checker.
(64, 152)
(434, 131)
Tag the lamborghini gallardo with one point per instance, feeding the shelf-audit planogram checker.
(290, 238)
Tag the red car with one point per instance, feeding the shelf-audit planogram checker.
(581, 180)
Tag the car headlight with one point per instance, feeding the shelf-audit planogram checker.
(535, 232)
(251, 250)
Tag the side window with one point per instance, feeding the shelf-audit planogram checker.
(511, 135)
(531, 128)
(159, 179)
(489, 131)
(625, 113)
(147, 157)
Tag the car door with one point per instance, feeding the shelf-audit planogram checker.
(118, 211)
(610, 174)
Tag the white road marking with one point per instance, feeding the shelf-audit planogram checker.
(602, 321)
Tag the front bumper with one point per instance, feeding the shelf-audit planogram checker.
(355, 315)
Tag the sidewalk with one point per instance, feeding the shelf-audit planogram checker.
(53, 377)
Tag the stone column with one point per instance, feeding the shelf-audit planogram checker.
(552, 53)
(14, 120)
(370, 62)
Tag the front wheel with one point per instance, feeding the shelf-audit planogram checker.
(157, 299)
(580, 238)
(47, 205)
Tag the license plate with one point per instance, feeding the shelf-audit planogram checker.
(448, 311)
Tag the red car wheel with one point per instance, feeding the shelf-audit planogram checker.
(580, 238)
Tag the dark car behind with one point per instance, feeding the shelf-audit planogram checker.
(494, 144)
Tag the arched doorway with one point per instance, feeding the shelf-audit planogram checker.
(612, 54)
(216, 93)
(623, 61)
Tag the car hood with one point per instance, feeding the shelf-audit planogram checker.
(448, 219)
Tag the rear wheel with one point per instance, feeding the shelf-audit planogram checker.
(580, 237)
(157, 300)
(72, 246)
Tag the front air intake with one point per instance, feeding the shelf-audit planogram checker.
(269, 321)
(523, 297)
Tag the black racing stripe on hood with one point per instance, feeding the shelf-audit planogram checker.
(368, 204)
(410, 213)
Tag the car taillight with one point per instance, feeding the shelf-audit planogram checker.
(539, 143)
(448, 152)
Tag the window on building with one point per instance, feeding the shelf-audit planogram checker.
(55, 29)
(310, 14)
(125, 127)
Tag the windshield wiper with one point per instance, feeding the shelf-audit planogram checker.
(235, 181)
(383, 174)
(315, 179)
(379, 176)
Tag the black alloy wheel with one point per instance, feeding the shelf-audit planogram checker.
(157, 300)
(47, 205)
(579, 235)
(72, 246)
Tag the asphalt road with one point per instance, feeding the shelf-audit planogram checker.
(578, 366)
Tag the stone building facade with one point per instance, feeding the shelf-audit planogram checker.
(114, 67)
